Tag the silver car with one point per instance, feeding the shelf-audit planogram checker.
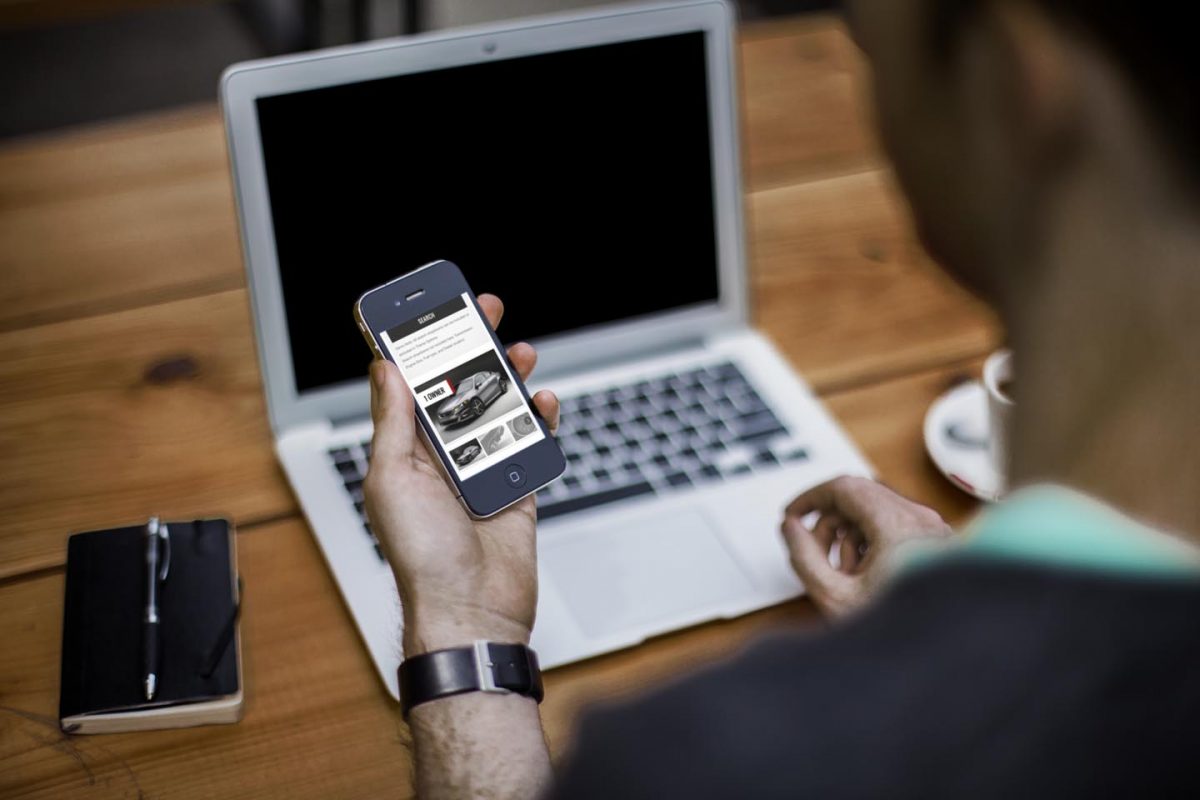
(467, 454)
(474, 395)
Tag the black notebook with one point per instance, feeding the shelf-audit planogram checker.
(199, 668)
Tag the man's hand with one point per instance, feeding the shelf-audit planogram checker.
(459, 579)
(864, 521)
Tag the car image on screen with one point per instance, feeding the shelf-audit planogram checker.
(467, 454)
(474, 395)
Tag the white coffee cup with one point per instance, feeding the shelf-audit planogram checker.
(997, 376)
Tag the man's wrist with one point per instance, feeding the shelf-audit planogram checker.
(427, 631)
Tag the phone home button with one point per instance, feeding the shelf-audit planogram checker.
(515, 475)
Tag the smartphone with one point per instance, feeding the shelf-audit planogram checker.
(472, 408)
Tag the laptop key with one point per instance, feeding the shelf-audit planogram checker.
(799, 454)
(679, 479)
(592, 500)
(764, 435)
(750, 403)
(755, 427)
(765, 457)
(341, 455)
(726, 371)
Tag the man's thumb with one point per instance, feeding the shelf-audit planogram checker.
(392, 411)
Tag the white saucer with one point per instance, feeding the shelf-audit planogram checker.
(956, 438)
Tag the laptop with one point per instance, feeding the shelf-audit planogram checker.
(585, 168)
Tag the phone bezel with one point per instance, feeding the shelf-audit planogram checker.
(487, 492)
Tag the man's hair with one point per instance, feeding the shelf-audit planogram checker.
(1152, 43)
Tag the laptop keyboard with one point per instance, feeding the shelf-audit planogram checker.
(664, 434)
(649, 437)
(351, 463)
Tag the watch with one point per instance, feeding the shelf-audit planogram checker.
(482, 667)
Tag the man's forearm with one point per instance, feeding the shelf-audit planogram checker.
(480, 745)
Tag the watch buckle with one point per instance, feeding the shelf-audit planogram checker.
(483, 668)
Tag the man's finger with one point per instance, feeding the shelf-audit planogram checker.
(849, 554)
(547, 405)
(523, 358)
(848, 496)
(826, 530)
(492, 307)
(810, 560)
(392, 411)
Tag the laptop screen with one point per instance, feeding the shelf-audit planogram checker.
(577, 185)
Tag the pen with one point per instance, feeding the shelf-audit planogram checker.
(156, 533)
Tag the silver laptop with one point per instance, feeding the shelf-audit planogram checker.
(586, 169)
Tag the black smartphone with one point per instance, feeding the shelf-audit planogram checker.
(475, 413)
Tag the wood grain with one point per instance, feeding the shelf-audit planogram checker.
(843, 287)
(803, 101)
(116, 216)
(108, 419)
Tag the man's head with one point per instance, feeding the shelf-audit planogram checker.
(992, 110)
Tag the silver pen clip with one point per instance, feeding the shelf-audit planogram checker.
(165, 536)
(154, 527)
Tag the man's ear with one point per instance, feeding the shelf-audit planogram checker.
(1037, 66)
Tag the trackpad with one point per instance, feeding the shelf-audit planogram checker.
(634, 574)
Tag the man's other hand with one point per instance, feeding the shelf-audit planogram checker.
(862, 522)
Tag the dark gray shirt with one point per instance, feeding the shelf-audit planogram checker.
(971, 678)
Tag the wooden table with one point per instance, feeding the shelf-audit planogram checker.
(129, 386)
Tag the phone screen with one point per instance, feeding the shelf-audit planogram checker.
(463, 386)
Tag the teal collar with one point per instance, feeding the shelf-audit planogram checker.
(1054, 525)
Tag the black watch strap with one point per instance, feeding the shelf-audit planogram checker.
(483, 667)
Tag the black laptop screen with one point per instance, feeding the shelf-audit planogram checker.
(576, 185)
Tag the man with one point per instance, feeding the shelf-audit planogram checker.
(1051, 153)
